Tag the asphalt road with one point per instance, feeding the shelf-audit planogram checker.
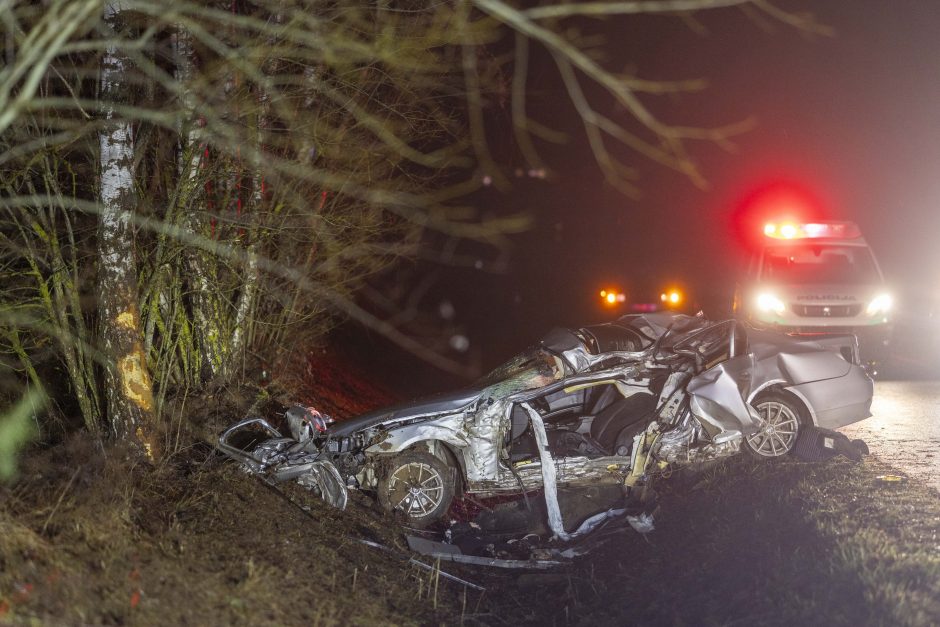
(904, 429)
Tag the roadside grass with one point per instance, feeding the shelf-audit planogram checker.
(758, 543)
(198, 542)
(86, 538)
(887, 533)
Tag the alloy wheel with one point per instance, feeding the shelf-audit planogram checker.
(779, 429)
(416, 488)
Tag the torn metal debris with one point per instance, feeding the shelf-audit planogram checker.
(452, 553)
(414, 562)
(603, 408)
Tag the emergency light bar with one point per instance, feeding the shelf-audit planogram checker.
(810, 230)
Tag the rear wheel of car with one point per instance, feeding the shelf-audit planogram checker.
(418, 485)
(782, 417)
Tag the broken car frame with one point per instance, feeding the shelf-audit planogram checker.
(610, 404)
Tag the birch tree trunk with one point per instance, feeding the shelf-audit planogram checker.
(129, 392)
(246, 297)
(203, 299)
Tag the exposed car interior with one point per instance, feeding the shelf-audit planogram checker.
(714, 345)
(605, 338)
(593, 421)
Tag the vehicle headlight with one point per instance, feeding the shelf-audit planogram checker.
(769, 303)
(881, 304)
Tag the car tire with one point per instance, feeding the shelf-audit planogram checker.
(783, 417)
(417, 486)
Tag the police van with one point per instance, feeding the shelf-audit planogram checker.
(818, 278)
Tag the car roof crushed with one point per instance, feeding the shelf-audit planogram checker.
(530, 440)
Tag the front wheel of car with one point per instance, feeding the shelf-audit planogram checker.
(418, 485)
(782, 417)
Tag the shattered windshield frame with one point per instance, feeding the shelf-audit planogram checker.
(537, 361)
(713, 344)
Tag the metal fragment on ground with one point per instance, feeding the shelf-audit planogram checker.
(451, 553)
(642, 523)
(325, 479)
(414, 562)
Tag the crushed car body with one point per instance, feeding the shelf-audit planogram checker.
(613, 404)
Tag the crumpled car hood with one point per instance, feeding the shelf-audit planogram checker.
(433, 405)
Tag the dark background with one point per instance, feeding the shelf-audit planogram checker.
(851, 122)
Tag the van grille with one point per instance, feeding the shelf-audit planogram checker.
(827, 311)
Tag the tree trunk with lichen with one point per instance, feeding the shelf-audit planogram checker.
(204, 302)
(129, 392)
(246, 297)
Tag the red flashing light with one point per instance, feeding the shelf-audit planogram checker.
(778, 201)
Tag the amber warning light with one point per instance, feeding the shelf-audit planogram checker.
(671, 298)
(612, 297)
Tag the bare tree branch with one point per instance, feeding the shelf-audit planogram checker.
(603, 9)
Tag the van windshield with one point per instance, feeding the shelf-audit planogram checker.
(818, 264)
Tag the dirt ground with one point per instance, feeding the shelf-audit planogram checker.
(89, 537)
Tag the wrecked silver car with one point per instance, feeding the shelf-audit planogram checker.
(611, 404)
